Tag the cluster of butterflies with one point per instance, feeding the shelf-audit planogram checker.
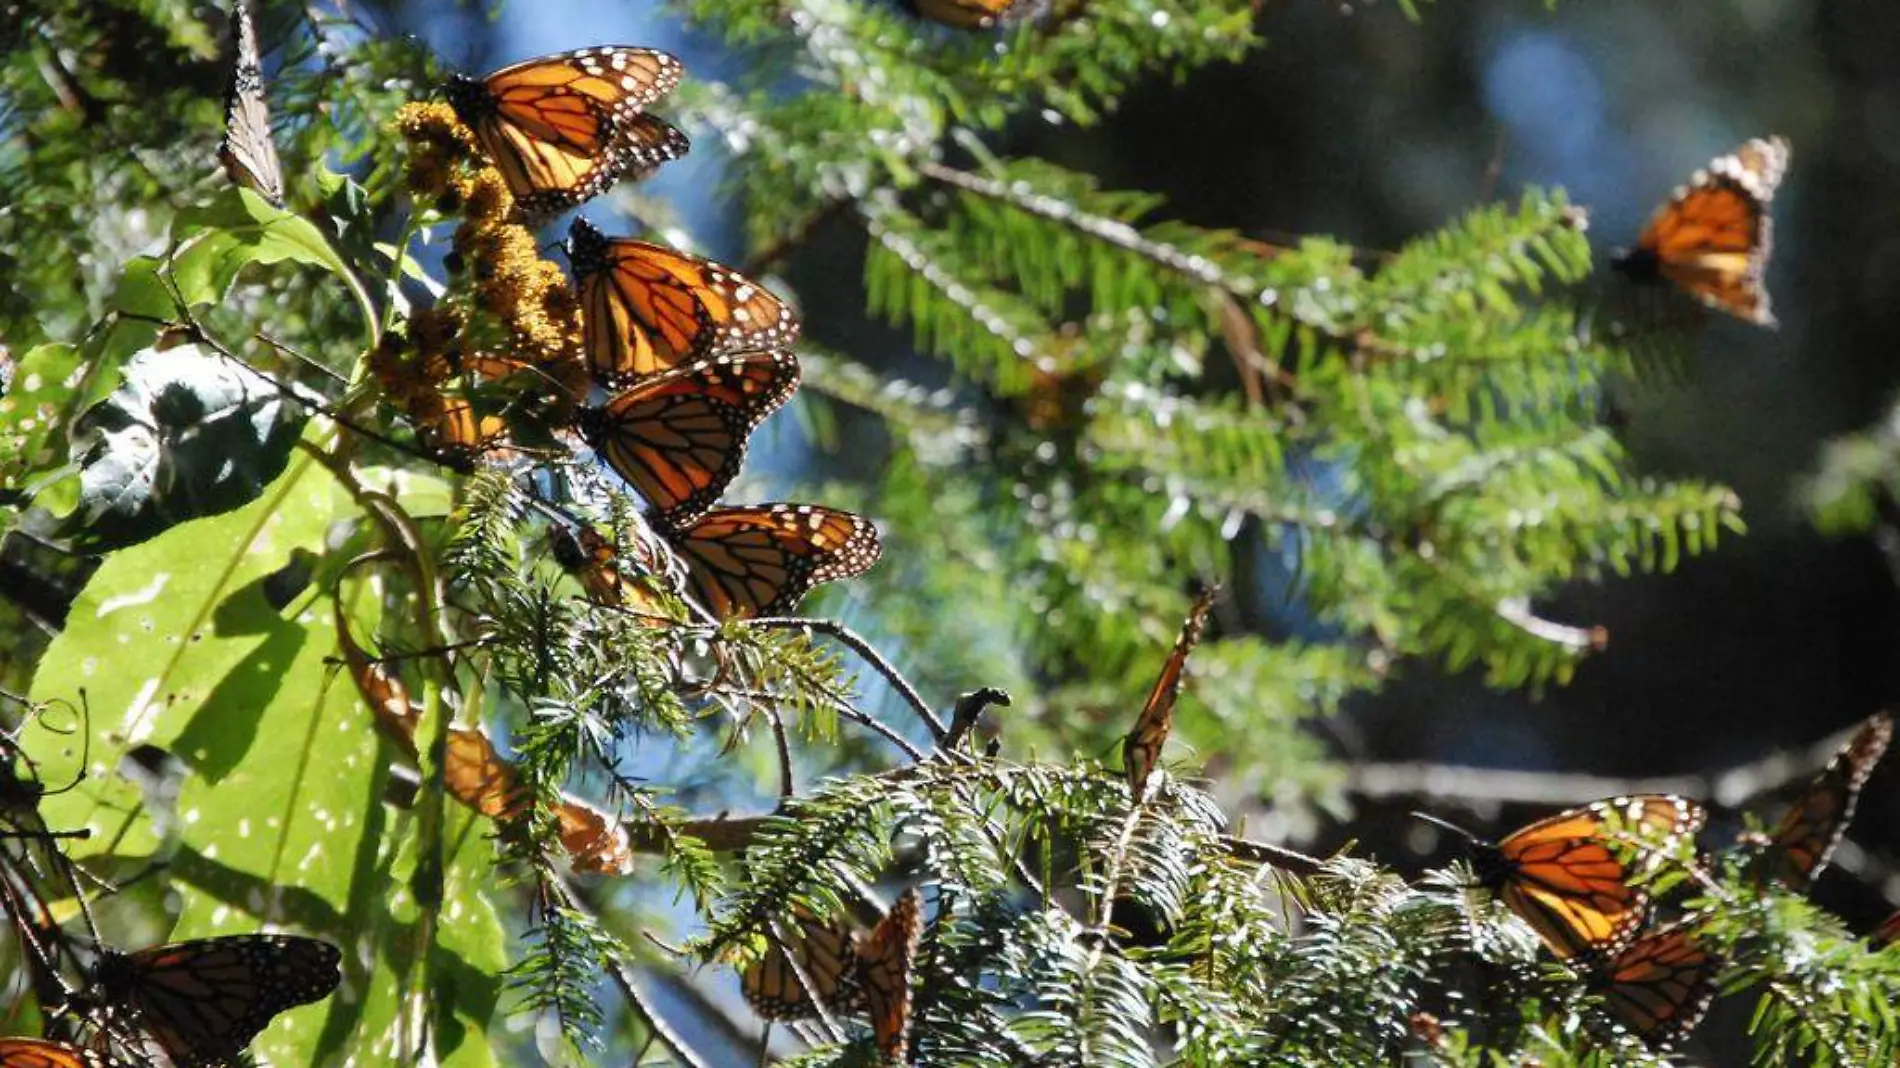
(1570, 876)
(690, 355)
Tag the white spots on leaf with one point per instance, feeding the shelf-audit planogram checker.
(145, 595)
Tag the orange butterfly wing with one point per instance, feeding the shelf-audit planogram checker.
(968, 14)
(1713, 238)
(1807, 835)
(647, 308)
(1142, 748)
(827, 955)
(1661, 986)
(1887, 933)
(761, 561)
(37, 1053)
(205, 1000)
(1563, 876)
(563, 128)
(887, 955)
(680, 437)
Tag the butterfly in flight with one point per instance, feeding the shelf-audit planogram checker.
(679, 437)
(762, 560)
(1142, 748)
(970, 14)
(247, 152)
(204, 1001)
(39, 1053)
(826, 954)
(647, 308)
(1660, 986)
(1714, 235)
(1564, 876)
(1804, 840)
(564, 128)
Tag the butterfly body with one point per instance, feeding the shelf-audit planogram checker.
(762, 560)
(1660, 986)
(648, 308)
(1713, 238)
(679, 437)
(204, 1001)
(563, 128)
(1564, 876)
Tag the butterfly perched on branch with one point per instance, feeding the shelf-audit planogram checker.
(1142, 748)
(1804, 840)
(564, 128)
(870, 974)
(1714, 236)
(1564, 876)
(762, 560)
(247, 152)
(648, 308)
(679, 437)
(203, 1001)
(1660, 986)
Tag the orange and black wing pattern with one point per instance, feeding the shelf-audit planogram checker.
(1564, 876)
(563, 128)
(761, 561)
(247, 152)
(204, 1001)
(1142, 748)
(827, 956)
(1801, 845)
(648, 308)
(1887, 933)
(886, 956)
(1659, 987)
(969, 14)
(679, 438)
(39, 1053)
(1713, 238)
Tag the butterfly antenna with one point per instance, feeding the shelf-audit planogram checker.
(1448, 826)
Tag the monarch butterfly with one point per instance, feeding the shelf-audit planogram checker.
(760, 561)
(1807, 835)
(565, 127)
(247, 152)
(1562, 876)
(886, 956)
(648, 308)
(204, 1001)
(1143, 745)
(825, 953)
(1714, 235)
(1887, 933)
(1659, 987)
(38, 1053)
(595, 564)
(680, 437)
(969, 14)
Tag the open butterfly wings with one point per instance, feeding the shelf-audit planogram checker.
(248, 154)
(1660, 986)
(679, 438)
(647, 308)
(761, 561)
(826, 954)
(1713, 238)
(1806, 837)
(38, 1053)
(1142, 748)
(887, 954)
(204, 1001)
(564, 128)
(1563, 875)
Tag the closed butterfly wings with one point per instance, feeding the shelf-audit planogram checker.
(1565, 877)
(679, 438)
(1142, 748)
(1660, 986)
(247, 152)
(564, 128)
(887, 955)
(1714, 237)
(1803, 842)
(648, 309)
(204, 1001)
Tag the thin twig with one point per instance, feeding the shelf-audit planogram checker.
(848, 638)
